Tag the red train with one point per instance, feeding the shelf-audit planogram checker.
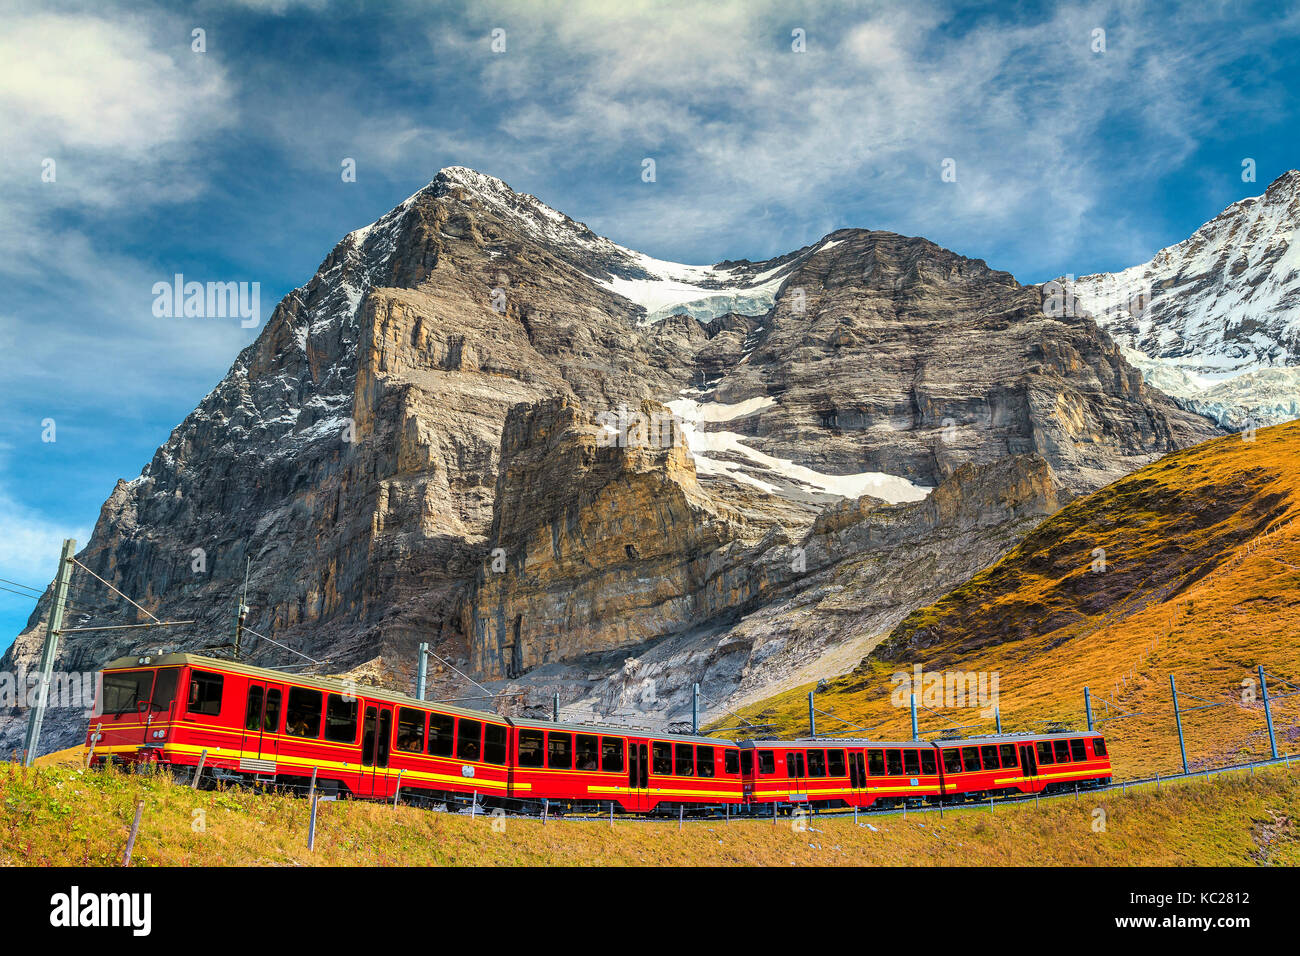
(263, 725)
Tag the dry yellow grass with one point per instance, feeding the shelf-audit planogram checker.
(1202, 582)
(61, 815)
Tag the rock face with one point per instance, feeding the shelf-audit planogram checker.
(440, 389)
(1215, 320)
(604, 539)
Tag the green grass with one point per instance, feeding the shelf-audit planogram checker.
(61, 814)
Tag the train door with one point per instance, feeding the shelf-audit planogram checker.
(857, 774)
(1028, 765)
(376, 738)
(260, 745)
(797, 770)
(638, 774)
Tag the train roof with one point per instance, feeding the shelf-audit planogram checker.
(579, 728)
(1011, 738)
(309, 680)
(395, 697)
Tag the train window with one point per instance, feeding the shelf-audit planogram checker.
(1062, 748)
(271, 722)
(122, 691)
(1009, 758)
(704, 757)
(494, 744)
(587, 749)
(835, 763)
(341, 719)
(410, 728)
(303, 718)
(766, 762)
(684, 760)
(440, 734)
(794, 764)
(611, 754)
(661, 757)
(469, 739)
(990, 754)
(1076, 750)
(164, 688)
(816, 763)
(951, 760)
(927, 761)
(559, 751)
(205, 693)
(1099, 746)
(970, 759)
(253, 712)
(731, 761)
(894, 762)
(876, 763)
(532, 748)
(911, 763)
(1044, 749)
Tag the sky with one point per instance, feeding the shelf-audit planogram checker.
(1083, 138)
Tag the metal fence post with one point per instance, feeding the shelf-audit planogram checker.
(198, 771)
(311, 825)
(1178, 720)
(135, 832)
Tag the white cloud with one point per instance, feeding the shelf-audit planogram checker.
(30, 543)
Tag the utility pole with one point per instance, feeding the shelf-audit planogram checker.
(48, 653)
(242, 614)
(1178, 720)
(997, 719)
(422, 671)
(1087, 706)
(812, 717)
(1268, 712)
(695, 710)
(555, 708)
(916, 730)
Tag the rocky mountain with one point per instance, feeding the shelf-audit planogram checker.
(1215, 320)
(569, 465)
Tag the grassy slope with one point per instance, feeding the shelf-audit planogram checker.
(1202, 581)
(63, 815)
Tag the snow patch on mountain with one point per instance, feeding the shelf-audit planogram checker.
(725, 453)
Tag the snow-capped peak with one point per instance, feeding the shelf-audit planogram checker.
(1223, 303)
(660, 287)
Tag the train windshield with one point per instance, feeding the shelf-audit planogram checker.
(123, 692)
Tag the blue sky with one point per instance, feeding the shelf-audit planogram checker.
(224, 165)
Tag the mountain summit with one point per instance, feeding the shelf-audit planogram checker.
(576, 468)
(1215, 319)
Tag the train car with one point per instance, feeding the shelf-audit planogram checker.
(825, 773)
(588, 767)
(979, 767)
(257, 724)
